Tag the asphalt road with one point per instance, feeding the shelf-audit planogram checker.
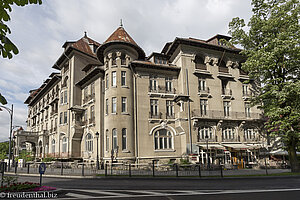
(175, 188)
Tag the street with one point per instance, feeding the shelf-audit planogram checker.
(175, 188)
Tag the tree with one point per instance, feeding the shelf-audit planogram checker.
(271, 45)
(4, 149)
(7, 47)
(2, 100)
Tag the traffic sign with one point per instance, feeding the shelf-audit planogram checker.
(42, 168)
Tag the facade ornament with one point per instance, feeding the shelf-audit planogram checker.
(118, 53)
(229, 63)
(163, 124)
(219, 124)
(241, 126)
(215, 61)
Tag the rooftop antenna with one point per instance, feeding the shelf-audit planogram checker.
(121, 24)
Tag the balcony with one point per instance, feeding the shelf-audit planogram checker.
(204, 92)
(162, 91)
(224, 73)
(155, 115)
(170, 116)
(227, 94)
(53, 112)
(216, 114)
(247, 95)
(88, 98)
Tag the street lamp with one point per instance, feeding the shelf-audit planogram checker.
(11, 112)
(97, 136)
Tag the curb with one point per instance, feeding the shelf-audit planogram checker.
(50, 175)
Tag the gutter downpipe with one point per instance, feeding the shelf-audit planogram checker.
(189, 111)
(135, 113)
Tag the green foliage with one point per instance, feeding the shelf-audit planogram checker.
(184, 162)
(4, 149)
(7, 180)
(272, 47)
(2, 100)
(7, 47)
(48, 159)
(27, 156)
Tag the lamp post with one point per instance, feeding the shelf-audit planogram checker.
(11, 112)
(97, 136)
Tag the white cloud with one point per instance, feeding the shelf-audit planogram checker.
(40, 30)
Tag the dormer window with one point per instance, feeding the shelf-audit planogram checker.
(160, 60)
(93, 47)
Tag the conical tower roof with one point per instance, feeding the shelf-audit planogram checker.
(119, 36)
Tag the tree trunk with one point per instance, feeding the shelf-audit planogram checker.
(295, 167)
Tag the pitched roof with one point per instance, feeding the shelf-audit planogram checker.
(82, 45)
(120, 36)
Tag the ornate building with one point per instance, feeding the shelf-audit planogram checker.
(189, 100)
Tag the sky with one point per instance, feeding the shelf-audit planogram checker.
(39, 31)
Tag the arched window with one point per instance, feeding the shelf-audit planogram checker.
(163, 139)
(250, 134)
(53, 146)
(64, 144)
(89, 142)
(228, 133)
(115, 139)
(205, 132)
(65, 82)
(199, 63)
(123, 59)
(114, 59)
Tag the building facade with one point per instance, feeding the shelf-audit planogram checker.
(191, 100)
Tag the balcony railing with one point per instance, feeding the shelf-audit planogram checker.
(155, 115)
(162, 89)
(216, 114)
(200, 66)
(170, 116)
(223, 69)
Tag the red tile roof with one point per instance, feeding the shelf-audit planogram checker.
(84, 45)
(120, 35)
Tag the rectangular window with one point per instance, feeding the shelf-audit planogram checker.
(65, 96)
(114, 79)
(61, 98)
(124, 104)
(246, 90)
(92, 113)
(226, 108)
(106, 81)
(247, 109)
(152, 84)
(170, 108)
(202, 84)
(65, 117)
(114, 105)
(93, 89)
(106, 106)
(203, 106)
(154, 107)
(61, 118)
(115, 139)
(123, 78)
(169, 84)
(124, 139)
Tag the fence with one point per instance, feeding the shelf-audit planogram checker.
(146, 170)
